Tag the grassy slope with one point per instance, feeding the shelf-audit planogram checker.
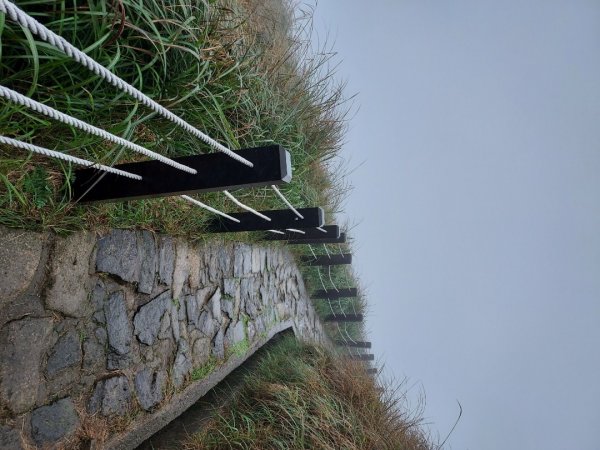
(304, 397)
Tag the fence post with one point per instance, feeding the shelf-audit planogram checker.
(327, 260)
(215, 172)
(299, 239)
(333, 232)
(333, 294)
(343, 318)
(355, 344)
(280, 218)
(364, 357)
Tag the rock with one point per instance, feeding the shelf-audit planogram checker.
(166, 260)
(54, 422)
(118, 255)
(207, 324)
(65, 353)
(20, 255)
(231, 297)
(182, 365)
(149, 387)
(22, 344)
(235, 333)
(10, 438)
(218, 348)
(147, 321)
(257, 264)
(111, 397)
(94, 356)
(97, 298)
(200, 351)
(214, 304)
(101, 335)
(165, 328)
(119, 331)
(148, 262)
(182, 268)
(175, 322)
(242, 260)
(249, 298)
(69, 273)
(192, 309)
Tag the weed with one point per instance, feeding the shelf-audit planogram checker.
(203, 371)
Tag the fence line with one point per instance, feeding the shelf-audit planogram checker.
(285, 200)
(246, 207)
(70, 50)
(65, 157)
(22, 100)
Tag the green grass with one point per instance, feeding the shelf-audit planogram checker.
(300, 397)
(204, 370)
(205, 64)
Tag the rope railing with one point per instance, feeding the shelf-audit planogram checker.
(246, 207)
(35, 27)
(208, 208)
(286, 201)
(72, 159)
(22, 100)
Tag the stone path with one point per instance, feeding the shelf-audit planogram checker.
(116, 327)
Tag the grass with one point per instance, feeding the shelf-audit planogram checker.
(301, 396)
(203, 371)
(245, 79)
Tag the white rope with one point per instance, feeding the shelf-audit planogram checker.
(326, 251)
(208, 208)
(285, 200)
(332, 283)
(65, 157)
(294, 230)
(312, 251)
(340, 248)
(276, 231)
(321, 278)
(59, 42)
(246, 207)
(20, 99)
(321, 229)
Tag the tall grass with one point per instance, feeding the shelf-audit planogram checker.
(306, 397)
(214, 65)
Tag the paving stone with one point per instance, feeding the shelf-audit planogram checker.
(147, 321)
(65, 353)
(69, 273)
(148, 262)
(149, 387)
(54, 422)
(111, 396)
(20, 255)
(10, 438)
(22, 345)
(118, 330)
(118, 255)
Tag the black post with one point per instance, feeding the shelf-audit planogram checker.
(280, 218)
(216, 172)
(365, 357)
(372, 371)
(356, 344)
(333, 294)
(327, 260)
(343, 318)
(333, 232)
(298, 239)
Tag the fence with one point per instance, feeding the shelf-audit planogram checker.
(222, 171)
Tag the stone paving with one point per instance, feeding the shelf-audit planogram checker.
(107, 325)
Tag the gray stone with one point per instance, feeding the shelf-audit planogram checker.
(111, 396)
(94, 356)
(97, 298)
(214, 304)
(165, 328)
(147, 321)
(149, 387)
(182, 268)
(20, 255)
(200, 351)
(175, 322)
(148, 262)
(10, 438)
(182, 365)
(118, 255)
(192, 309)
(119, 331)
(22, 344)
(101, 335)
(65, 353)
(68, 293)
(218, 347)
(236, 332)
(54, 422)
(242, 260)
(166, 260)
(257, 264)
(207, 324)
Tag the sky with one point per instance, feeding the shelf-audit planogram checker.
(476, 149)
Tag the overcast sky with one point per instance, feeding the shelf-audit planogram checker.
(479, 201)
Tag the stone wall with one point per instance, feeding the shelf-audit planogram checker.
(99, 334)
